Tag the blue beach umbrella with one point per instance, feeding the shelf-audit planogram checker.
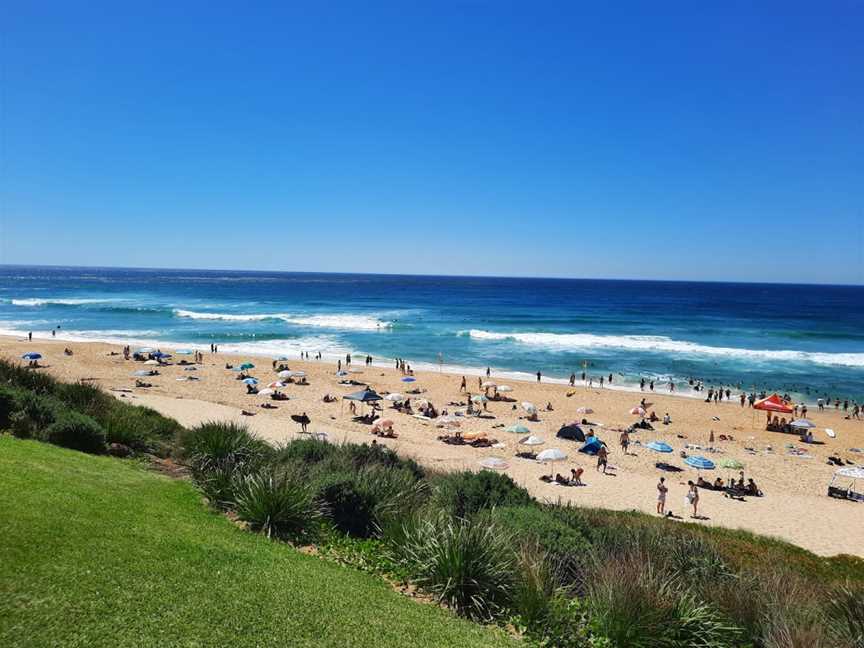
(407, 379)
(700, 463)
(247, 365)
(250, 380)
(659, 446)
(31, 355)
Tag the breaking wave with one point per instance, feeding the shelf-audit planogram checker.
(662, 344)
(335, 321)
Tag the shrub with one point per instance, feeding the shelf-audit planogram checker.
(212, 444)
(305, 451)
(466, 564)
(846, 609)
(140, 428)
(465, 493)
(77, 432)
(534, 587)
(85, 398)
(565, 625)
(9, 399)
(24, 378)
(34, 414)
(279, 504)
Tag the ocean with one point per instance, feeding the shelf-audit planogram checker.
(803, 339)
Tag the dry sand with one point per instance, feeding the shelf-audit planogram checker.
(795, 506)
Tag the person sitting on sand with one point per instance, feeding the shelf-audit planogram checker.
(67, 351)
(576, 476)
(329, 398)
(701, 483)
(718, 484)
(653, 417)
(667, 419)
(549, 407)
(559, 479)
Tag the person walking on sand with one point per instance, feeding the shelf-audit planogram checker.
(624, 440)
(464, 385)
(304, 423)
(488, 371)
(602, 458)
(539, 375)
(30, 336)
(692, 498)
(662, 489)
(572, 379)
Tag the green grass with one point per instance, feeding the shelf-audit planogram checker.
(96, 551)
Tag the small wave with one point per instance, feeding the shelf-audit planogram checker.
(335, 321)
(33, 301)
(661, 344)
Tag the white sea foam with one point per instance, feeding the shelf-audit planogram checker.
(661, 344)
(33, 301)
(334, 321)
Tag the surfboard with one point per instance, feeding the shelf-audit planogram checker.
(831, 433)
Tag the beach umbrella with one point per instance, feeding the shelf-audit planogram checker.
(266, 392)
(503, 389)
(659, 446)
(517, 428)
(364, 396)
(531, 441)
(297, 374)
(448, 421)
(141, 372)
(531, 408)
(159, 354)
(282, 359)
(151, 362)
(284, 374)
(250, 381)
(31, 355)
(488, 384)
(494, 463)
(184, 352)
(733, 464)
(551, 455)
(638, 411)
(803, 424)
(479, 398)
(341, 374)
(700, 463)
(409, 379)
(355, 370)
(584, 410)
(394, 397)
(246, 365)
(145, 350)
(275, 385)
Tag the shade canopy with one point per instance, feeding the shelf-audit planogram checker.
(803, 424)
(531, 441)
(517, 428)
(266, 392)
(31, 355)
(247, 365)
(855, 472)
(364, 396)
(552, 454)
(395, 397)
(773, 403)
(659, 446)
(699, 462)
(571, 432)
(494, 463)
(504, 389)
(733, 464)
(531, 408)
(479, 398)
(250, 381)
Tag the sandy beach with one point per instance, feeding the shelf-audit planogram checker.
(795, 506)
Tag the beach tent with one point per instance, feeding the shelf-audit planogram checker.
(592, 446)
(773, 403)
(849, 475)
(659, 446)
(364, 396)
(700, 463)
(571, 432)
(31, 355)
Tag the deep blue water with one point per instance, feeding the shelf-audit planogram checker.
(803, 339)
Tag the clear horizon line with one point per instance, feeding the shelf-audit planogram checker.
(433, 275)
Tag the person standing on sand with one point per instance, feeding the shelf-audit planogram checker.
(624, 440)
(601, 382)
(572, 379)
(602, 458)
(692, 498)
(488, 371)
(539, 375)
(662, 489)
(464, 385)
(30, 336)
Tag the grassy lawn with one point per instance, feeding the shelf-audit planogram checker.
(99, 552)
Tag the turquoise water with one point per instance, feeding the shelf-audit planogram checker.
(806, 340)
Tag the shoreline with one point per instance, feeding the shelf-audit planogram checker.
(795, 507)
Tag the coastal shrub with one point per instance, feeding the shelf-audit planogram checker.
(534, 585)
(565, 625)
(140, 428)
(304, 451)
(85, 398)
(9, 398)
(359, 503)
(15, 375)
(278, 503)
(846, 610)
(212, 444)
(566, 548)
(465, 564)
(34, 414)
(75, 431)
(360, 455)
(465, 493)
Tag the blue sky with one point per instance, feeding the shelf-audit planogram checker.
(649, 140)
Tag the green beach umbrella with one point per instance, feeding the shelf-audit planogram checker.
(517, 429)
(734, 464)
(247, 365)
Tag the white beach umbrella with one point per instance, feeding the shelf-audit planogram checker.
(494, 463)
(531, 441)
(584, 410)
(265, 392)
(284, 374)
(479, 398)
(531, 408)
(151, 362)
(489, 384)
(551, 455)
(276, 385)
(503, 389)
(394, 397)
(297, 374)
